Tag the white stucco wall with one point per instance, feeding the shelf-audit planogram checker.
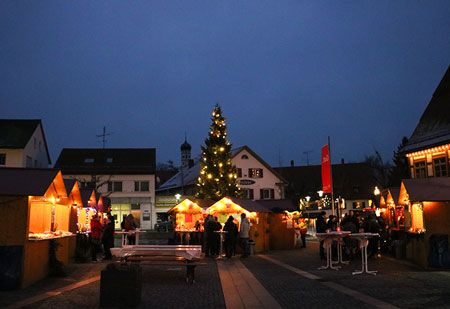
(36, 150)
(268, 181)
(18, 157)
(146, 199)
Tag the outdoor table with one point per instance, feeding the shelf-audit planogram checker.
(130, 232)
(339, 237)
(185, 235)
(327, 242)
(363, 240)
(221, 243)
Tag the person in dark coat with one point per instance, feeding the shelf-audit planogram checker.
(230, 237)
(210, 227)
(108, 238)
(130, 226)
(216, 244)
(372, 226)
(321, 227)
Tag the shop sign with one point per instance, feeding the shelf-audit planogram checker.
(246, 182)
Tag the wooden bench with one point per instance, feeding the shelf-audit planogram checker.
(163, 255)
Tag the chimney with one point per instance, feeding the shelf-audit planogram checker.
(292, 163)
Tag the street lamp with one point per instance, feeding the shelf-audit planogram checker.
(308, 198)
(178, 196)
(320, 192)
(376, 191)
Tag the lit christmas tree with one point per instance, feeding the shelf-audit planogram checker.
(217, 176)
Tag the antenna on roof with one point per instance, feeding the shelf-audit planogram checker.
(103, 136)
(307, 152)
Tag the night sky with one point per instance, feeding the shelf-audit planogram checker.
(286, 73)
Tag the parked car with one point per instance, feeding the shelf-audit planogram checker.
(161, 226)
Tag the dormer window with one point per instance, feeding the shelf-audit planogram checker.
(89, 160)
(244, 157)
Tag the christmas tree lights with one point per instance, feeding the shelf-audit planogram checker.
(217, 176)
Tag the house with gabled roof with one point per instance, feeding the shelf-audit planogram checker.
(255, 177)
(125, 175)
(428, 149)
(23, 144)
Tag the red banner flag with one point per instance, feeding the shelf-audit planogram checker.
(326, 170)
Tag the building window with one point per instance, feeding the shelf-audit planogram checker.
(40, 146)
(35, 163)
(440, 167)
(136, 206)
(255, 172)
(89, 160)
(141, 186)
(267, 194)
(115, 186)
(109, 160)
(2, 158)
(420, 169)
(239, 172)
(244, 157)
(248, 194)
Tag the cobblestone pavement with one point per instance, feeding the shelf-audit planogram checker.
(163, 287)
(396, 283)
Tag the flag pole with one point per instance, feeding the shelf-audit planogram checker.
(331, 177)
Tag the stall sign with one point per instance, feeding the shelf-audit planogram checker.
(246, 182)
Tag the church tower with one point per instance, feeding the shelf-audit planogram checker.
(185, 154)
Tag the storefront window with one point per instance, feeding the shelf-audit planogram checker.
(417, 218)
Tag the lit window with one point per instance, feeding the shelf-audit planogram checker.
(109, 160)
(440, 167)
(420, 170)
(89, 160)
(255, 172)
(417, 218)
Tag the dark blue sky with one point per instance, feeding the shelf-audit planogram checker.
(287, 73)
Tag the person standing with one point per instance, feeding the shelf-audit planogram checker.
(95, 235)
(321, 227)
(108, 237)
(171, 234)
(230, 237)
(244, 235)
(303, 230)
(130, 226)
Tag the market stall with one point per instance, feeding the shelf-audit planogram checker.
(189, 218)
(34, 225)
(425, 203)
(256, 213)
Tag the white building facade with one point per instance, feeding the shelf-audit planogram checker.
(125, 176)
(23, 144)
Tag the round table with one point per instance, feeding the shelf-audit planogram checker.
(222, 233)
(327, 242)
(363, 241)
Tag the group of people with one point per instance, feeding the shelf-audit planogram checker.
(212, 239)
(353, 223)
(102, 234)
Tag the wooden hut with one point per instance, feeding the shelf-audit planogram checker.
(426, 204)
(257, 214)
(34, 212)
